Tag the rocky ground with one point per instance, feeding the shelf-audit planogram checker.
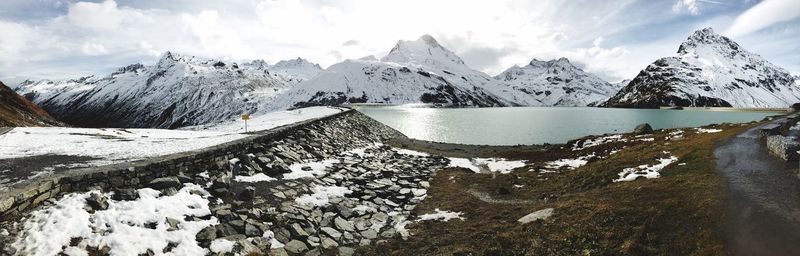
(320, 190)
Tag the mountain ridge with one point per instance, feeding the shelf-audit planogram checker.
(178, 90)
(709, 70)
(557, 82)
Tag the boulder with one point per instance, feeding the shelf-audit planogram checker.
(644, 128)
(164, 183)
(247, 194)
(173, 224)
(206, 235)
(346, 251)
(97, 202)
(297, 230)
(542, 214)
(125, 194)
(295, 247)
(251, 230)
(328, 243)
(343, 224)
(333, 233)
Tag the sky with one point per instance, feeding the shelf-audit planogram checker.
(614, 39)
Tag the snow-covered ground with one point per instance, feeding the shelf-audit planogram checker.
(569, 163)
(321, 194)
(703, 130)
(440, 215)
(112, 145)
(126, 226)
(269, 120)
(490, 164)
(647, 171)
(598, 141)
(106, 145)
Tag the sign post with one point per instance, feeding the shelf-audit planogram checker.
(245, 117)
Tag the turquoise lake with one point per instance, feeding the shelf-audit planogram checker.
(537, 125)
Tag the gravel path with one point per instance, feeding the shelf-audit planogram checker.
(762, 198)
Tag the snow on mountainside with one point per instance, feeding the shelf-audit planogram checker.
(710, 70)
(177, 91)
(558, 83)
(622, 83)
(412, 72)
(296, 70)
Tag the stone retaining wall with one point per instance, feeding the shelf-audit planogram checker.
(781, 140)
(20, 199)
(785, 147)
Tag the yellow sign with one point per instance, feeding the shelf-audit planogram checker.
(246, 117)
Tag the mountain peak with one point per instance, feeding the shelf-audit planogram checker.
(425, 50)
(299, 62)
(168, 58)
(429, 40)
(541, 63)
(707, 37)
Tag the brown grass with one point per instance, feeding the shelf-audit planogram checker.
(677, 214)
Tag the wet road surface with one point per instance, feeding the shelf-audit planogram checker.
(762, 198)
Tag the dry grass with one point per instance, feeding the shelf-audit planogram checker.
(677, 214)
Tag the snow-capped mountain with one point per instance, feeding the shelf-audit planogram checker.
(413, 72)
(710, 70)
(15, 110)
(557, 83)
(177, 91)
(296, 70)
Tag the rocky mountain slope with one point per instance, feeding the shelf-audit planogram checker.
(15, 110)
(420, 71)
(710, 70)
(177, 91)
(557, 83)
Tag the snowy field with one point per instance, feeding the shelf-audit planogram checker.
(112, 145)
(269, 120)
(106, 145)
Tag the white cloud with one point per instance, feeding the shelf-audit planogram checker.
(764, 14)
(609, 63)
(103, 15)
(93, 49)
(490, 35)
(691, 6)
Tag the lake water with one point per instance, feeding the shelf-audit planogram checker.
(537, 125)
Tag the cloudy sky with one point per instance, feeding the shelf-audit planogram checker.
(59, 39)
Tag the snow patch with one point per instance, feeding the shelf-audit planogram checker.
(321, 195)
(309, 170)
(258, 177)
(571, 164)
(703, 130)
(440, 215)
(221, 245)
(411, 152)
(122, 227)
(647, 171)
(597, 141)
(491, 164)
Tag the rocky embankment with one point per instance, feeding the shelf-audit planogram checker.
(324, 188)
